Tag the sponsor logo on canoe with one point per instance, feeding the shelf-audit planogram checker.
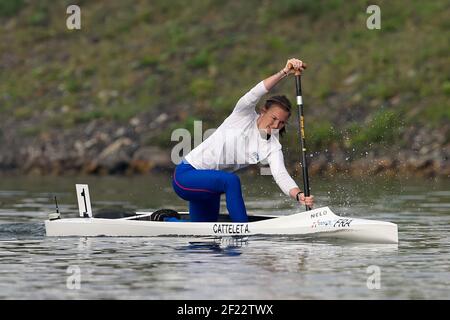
(319, 214)
(232, 228)
(342, 223)
(322, 223)
(339, 223)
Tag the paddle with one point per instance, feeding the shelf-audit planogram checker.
(301, 129)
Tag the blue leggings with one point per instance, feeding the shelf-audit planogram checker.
(203, 188)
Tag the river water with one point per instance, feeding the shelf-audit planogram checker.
(33, 266)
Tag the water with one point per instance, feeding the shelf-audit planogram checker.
(33, 266)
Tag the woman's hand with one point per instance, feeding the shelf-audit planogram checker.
(309, 201)
(299, 196)
(294, 66)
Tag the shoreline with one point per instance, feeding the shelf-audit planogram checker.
(105, 148)
(363, 167)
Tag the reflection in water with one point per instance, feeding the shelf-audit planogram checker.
(226, 246)
(304, 254)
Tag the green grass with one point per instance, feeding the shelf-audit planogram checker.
(446, 88)
(206, 54)
(10, 8)
(437, 114)
(31, 131)
(23, 113)
(383, 127)
(202, 88)
(320, 134)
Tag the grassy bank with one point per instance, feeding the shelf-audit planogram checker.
(363, 87)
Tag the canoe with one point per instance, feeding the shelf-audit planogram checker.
(320, 222)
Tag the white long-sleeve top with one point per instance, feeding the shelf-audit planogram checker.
(238, 143)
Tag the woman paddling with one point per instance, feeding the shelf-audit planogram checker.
(244, 138)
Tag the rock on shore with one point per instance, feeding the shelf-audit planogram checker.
(102, 148)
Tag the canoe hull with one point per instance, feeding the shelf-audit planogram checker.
(321, 222)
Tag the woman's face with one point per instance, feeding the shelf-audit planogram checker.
(273, 118)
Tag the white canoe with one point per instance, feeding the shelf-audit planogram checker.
(320, 222)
